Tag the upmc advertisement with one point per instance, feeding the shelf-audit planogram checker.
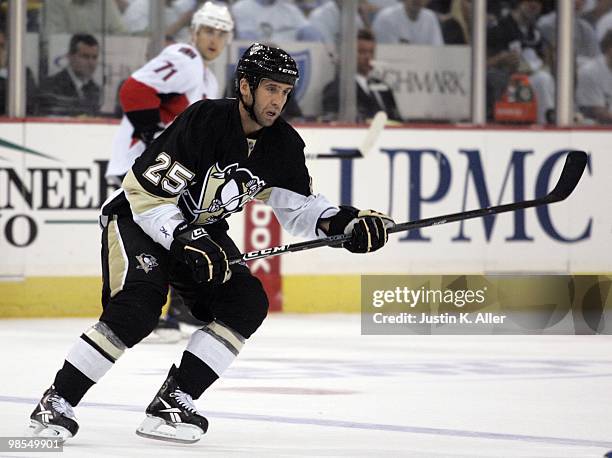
(51, 185)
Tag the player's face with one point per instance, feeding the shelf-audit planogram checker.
(84, 61)
(365, 54)
(210, 42)
(530, 9)
(270, 99)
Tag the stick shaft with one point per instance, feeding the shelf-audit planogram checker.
(401, 227)
(353, 154)
(572, 171)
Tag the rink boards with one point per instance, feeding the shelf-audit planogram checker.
(51, 184)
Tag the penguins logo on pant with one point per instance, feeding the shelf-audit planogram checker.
(147, 262)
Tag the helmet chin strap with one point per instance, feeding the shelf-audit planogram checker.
(250, 108)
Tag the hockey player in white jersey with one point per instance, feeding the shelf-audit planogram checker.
(160, 90)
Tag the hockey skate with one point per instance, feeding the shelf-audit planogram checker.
(172, 415)
(53, 417)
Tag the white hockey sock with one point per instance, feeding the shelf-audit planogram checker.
(216, 345)
(96, 351)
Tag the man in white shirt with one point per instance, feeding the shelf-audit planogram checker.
(177, 18)
(79, 16)
(585, 39)
(594, 91)
(603, 24)
(272, 21)
(326, 19)
(408, 22)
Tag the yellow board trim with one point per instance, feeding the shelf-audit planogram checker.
(51, 297)
(321, 293)
(80, 296)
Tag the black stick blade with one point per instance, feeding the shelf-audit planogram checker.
(573, 168)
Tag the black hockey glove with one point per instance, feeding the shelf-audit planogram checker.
(147, 134)
(202, 254)
(147, 123)
(367, 227)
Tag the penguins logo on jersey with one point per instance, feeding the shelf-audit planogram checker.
(223, 192)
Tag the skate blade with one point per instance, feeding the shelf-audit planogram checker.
(38, 429)
(158, 429)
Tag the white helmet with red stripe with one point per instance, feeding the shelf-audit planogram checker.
(213, 15)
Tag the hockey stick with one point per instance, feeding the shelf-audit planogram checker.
(376, 126)
(348, 154)
(573, 168)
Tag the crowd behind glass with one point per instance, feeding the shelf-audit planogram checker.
(521, 36)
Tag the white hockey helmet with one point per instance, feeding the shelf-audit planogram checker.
(213, 15)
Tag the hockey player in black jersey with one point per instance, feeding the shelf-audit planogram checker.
(167, 225)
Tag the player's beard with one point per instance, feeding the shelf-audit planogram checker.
(262, 119)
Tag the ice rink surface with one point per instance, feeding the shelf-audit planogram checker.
(312, 385)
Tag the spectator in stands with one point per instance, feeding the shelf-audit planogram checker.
(177, 18)
(373, 95)
(440, 7)
(515, 45)
(604, 21)
(593, 10)
(585, 40)
(78, 16)
(408, 22)
(308, 6)
(370, 8)
(271, 20)
(72, 91)
(594, 91)
(326, 20)
(178, 14)
(457, 29)
(457, 25)
(381, 4)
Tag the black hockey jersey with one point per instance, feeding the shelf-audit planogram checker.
(203, 168)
